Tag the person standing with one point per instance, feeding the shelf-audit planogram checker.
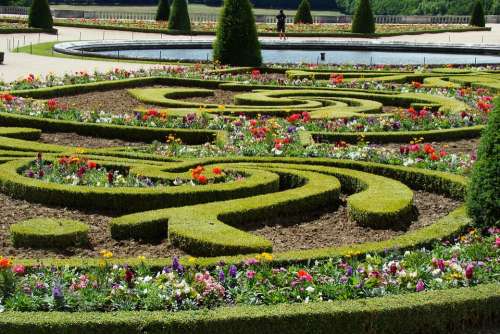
(281, 17)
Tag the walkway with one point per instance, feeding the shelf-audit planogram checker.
(18, 65)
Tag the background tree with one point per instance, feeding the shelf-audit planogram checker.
(163, 11)
(179, 16)
(237, 42)
(40, 15)
(477, 16)
(303, 14)
(483, 200)
(363, 21)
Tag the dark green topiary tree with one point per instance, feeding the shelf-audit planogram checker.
(483, 198)
(237, 42)
(40, 15)
(363, 21)
(477, 16)
(163, 11)
(179, 16)
(303, 14)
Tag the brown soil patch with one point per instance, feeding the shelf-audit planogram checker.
(75, 140)
(334, 228)
(457, 146)
(13, 211)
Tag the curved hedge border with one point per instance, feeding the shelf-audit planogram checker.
(49, 233)
(21, 133)
(439, 312)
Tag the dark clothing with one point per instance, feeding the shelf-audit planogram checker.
(281, 22)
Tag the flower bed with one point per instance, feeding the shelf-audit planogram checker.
(471, 260)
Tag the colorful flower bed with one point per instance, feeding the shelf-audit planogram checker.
(78, 170)
(467, 261)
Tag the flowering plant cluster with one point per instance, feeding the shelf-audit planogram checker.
(467, 261)
(80, 171)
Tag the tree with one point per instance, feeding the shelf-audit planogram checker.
(303, 14)
(363, 21)
(477, 16)
(163, 11)
(40, 15)
(237, 42)
(179, 16)
(483, 197)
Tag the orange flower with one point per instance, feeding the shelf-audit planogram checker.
(5, 263)
(217, 170)
(202, 179)
(91, 164)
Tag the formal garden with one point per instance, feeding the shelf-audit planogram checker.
(236, 196)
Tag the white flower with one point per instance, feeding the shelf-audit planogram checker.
(2, 308)
(310, 289)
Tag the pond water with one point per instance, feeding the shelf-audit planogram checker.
(310, 56)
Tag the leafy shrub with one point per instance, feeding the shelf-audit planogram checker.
(237, 41)
(477, 16)
(483, 200)
(179, 16)
(40, 15)
(163, 11)
(363, 21)
(304, 13)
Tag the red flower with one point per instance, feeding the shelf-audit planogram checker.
(202, 179)
(110, 177)
(217, 170)
(416, 84)
(5, 263)
(7, 97)
(469, 271)
(304, 275)
(52, 104)
(429, 149)
(91, 164)
(306, 117)
(293, 118)
(434, 157)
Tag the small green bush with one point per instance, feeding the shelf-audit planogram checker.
(303, 14)
(179, 16)
(49, 233)
(40, 15)
(477, 16)
(237, 42)
(363, 21)
(483, 199)
(163, 11)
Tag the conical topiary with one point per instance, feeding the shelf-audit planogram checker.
(179, 16)
(477, 16)
(163, 11)
(483, 197)
(237, 42)
(303, 14)
(40, 15)
(363, 21)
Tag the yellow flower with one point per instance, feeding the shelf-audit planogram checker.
(221, 107)
(80, 150)
(106, 254)
(266, 256)
(191, 260)
(141, 258)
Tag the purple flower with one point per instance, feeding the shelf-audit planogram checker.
(291, 129)
(57, 292)
(233, 271)
(348, 271)
(176, 265)
(420, 286)
(222, 277)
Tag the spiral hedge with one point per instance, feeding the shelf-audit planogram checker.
(209, 220)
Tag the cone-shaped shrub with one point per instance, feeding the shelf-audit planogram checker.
(303, 14)
(477, 16)
(40, 15)
(163, 11)
(179, 16)
(363, 21)
(483, 200)
(237, 42)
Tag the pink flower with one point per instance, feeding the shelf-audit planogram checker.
(250, 274)
(497, 242)
(469, 271)
(19, 269)
(420, 286)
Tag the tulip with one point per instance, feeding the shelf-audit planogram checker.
(469, 271)
(420, 286)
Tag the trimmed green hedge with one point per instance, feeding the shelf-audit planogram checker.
(439, 312)
(21, 133)
(49, 233)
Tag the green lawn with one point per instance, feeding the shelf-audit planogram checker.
(193, 9)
